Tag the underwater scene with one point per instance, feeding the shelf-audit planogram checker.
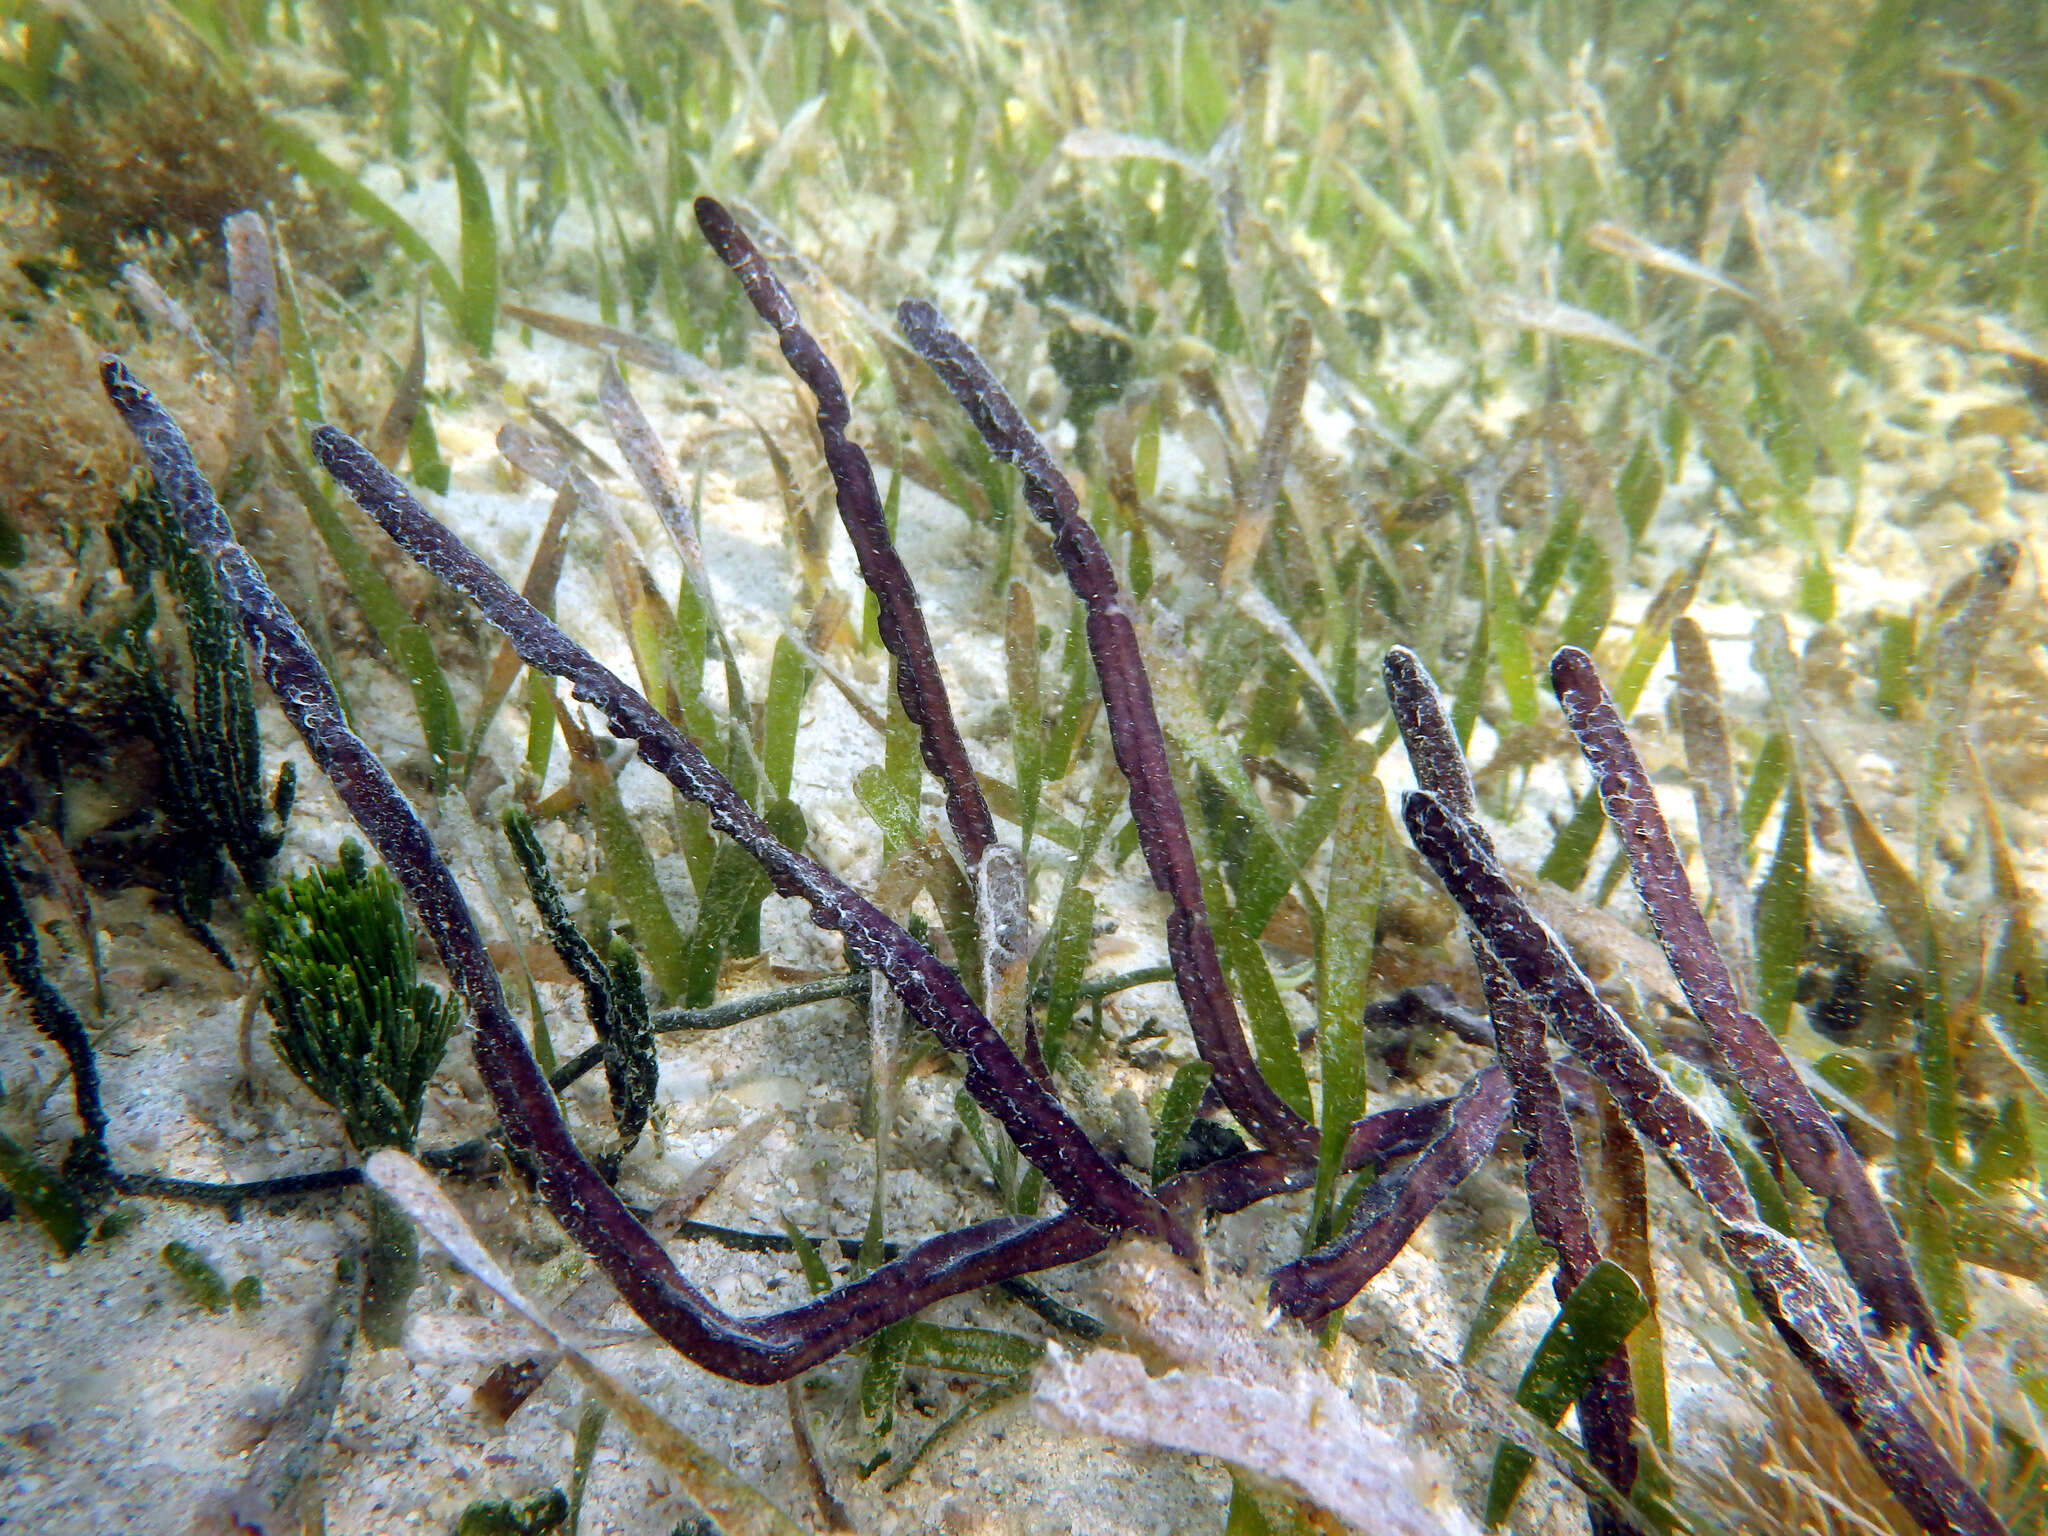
(1003, 769)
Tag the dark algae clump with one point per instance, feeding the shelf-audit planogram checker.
(359, 1029)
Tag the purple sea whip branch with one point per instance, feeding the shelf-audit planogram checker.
(761, 1350)
(1804, 1133)
(766, 1349)
(1134, 728)
(897, 614)
(1311, 1288)
(933, 995)
(1557, 1190)
(1316, 1285)
(758, 1350)
(1795, 1298)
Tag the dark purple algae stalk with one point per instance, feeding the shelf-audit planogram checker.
(897, 612)
(1539, 964)
(1553, 1173)
(1104, 1205)
(21, 957)
(764, 1349)
(1793, 1296)
(757, 1350)
(1134, 729)
(1313, 1287)
(1803, 1132)
(1555, 1180)
(1044, 1133)
(943, 1266)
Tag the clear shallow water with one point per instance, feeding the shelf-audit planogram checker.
(1475, 333)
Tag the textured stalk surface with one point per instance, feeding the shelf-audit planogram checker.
(933, 995)
(1804, 1133)
(899, 615)
(1793, 1296)
(1553, 1172)
(1134, 729)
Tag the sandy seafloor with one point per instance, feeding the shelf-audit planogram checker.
(123, 1407)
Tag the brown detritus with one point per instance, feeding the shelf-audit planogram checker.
(64, 460)
(60, 685)
(165, 169)
(141, 140)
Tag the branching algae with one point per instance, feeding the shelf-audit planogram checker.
(1534, 985)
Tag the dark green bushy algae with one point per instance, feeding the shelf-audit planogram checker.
(360, 1029)
(354, 1020)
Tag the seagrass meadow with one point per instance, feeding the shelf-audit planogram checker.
(1015, 769)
